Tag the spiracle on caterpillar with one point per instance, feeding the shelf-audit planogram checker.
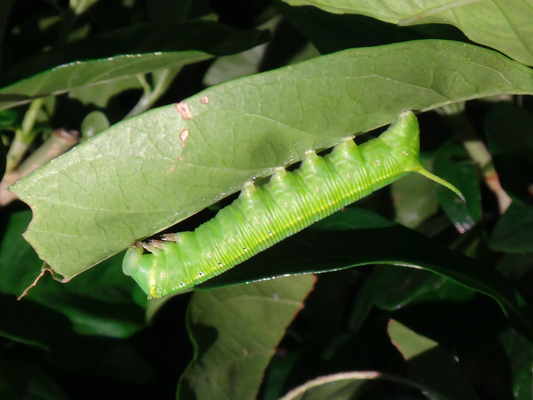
(291, 201)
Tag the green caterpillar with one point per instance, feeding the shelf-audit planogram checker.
(291, 201)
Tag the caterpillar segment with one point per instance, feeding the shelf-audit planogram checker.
(291, 201)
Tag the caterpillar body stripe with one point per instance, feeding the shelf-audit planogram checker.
(263, 216)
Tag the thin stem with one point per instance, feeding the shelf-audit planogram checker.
(30, 118)
(57, 144)
(16, 152)
(23, 137)
(163, 80)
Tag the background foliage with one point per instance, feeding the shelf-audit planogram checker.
(281, 77)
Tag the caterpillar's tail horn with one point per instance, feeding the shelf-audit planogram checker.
(442, 182)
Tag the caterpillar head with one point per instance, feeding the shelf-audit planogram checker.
(134, 265)
(150, 271)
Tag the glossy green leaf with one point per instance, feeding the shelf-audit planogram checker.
(350, 385)
(393, 288)
(235, 331)
(503, 25)
(329, 246)
(453, 164)
(390, 288)
(122, 53)
(514, 231)
(425, 357)
(146, 38)
(151, 171)
(82, 73)
(509, 132)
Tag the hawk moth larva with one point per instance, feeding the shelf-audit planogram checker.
(291, 201)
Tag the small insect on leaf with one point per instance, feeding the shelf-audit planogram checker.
(289, 202)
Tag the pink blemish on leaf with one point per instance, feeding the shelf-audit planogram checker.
(183, 136)
(183, 109)
(204, 99)
(172, 169)
(180, 158)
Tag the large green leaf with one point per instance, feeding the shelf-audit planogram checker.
(356, 237)
(149, 172)
(204, 36)
(235, 331)
(503, 25)
(82, 73)
(119, 54)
